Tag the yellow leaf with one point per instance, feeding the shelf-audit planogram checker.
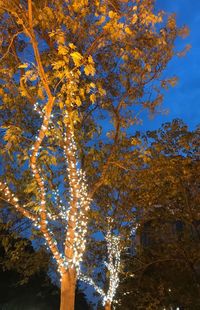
(135, 141)
(111, 14)
(93, 98)
(134, 19)
(125, 57)
(101, 20)
(148, 67)
(72, 46)
(68, 102)
(61, 105)
(60, 38)
(102, 91)
(90, 60)
(128, 30)
(25, 65)
(89, 69)
(173, 81)
(77, 57)
(78, 101)
(62, 50)
(58, 64)
(92, 85)
(82, 92)
(40, 93)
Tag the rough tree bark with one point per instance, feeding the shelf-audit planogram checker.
(68, 287)
(108, 306)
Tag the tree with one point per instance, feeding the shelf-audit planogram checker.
(65, 64)
(164, 271)
(113, 266)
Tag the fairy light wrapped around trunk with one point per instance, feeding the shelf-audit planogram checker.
(73, 213)
(113, 265)
(79, 201)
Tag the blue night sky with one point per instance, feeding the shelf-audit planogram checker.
(182, 101)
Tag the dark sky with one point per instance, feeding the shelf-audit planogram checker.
(183, 100)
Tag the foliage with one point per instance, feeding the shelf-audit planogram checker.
(164, 269)
(67, 68)
(23, 272)
(108, 77)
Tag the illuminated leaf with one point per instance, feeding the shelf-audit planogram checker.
(72, 46)
(25, 65)
(78, 101)
(77, 58)
(93, 98)
(62, 50)
(128, 30)
(89, 69)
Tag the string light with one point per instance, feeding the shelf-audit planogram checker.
(13, 200)
(72, 215)
(79, 201)
(113, 265)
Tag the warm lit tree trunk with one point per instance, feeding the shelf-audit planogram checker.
(108, 306)
(68, 287)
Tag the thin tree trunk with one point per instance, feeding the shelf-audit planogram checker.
(108, 306)
(68, 287)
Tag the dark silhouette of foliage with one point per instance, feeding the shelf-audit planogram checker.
(164, 271)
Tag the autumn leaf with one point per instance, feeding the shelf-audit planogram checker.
(92, 85)
(89, 69)
(148, 67)
(90, 60)
(112, 14)
(128, 30)
(72, 46)
(135, 141)
(58, 64)
(78, 101)
(23, 66)
(62, 50)
(77, 58)
(93, 98)
(134, 18)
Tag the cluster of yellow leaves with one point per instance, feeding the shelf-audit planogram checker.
(89, 68)
(172, 81)
(128, 30)
(145, 155)
(79, 6)
(44, 17)
(12, 136)
(137, 53)
(147, 17)
(171, 23)
(63, 50)
(115, 29)
(135, 141)
(77, 58)
(59, 36)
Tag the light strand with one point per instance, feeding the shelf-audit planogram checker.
(113, 266)
(12, 199)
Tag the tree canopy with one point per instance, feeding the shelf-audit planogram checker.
(163, 270)
(75, 77)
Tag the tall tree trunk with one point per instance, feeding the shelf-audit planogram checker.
(108, 306)
(68, 287)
